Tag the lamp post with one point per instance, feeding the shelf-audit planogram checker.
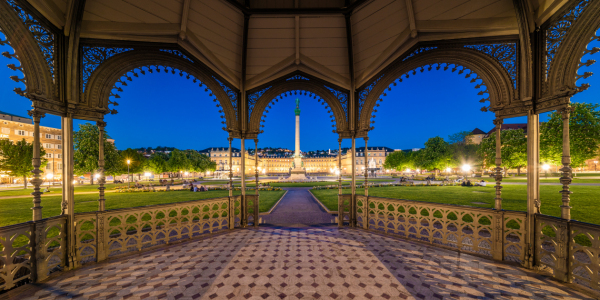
(546, 167)
(448, 173)
(49, 176)
(128, 181)
(466, 168)
(595, 164)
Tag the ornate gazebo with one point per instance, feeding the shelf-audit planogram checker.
(524, 56)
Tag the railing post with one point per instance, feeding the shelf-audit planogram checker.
(498, 236)
(37, 162)
(256, 189)
(561, 271)
(366, 213)
(340, 210)
(100, 236)
(566, 161)
(243, 201)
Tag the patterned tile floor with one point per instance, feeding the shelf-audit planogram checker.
(300, 263)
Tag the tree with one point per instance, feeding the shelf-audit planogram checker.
(400, 160)
(137, 161)
(178, 161)
(513, 150)
(157, 163)
(85, 157)
(584, 131)
(199, 162)
(17, 158)
(459, 137)
(464, 154)
(435, 156)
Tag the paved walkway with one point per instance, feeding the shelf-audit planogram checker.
(300, 263)
(298, 208)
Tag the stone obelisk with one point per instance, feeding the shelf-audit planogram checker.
(298, 172)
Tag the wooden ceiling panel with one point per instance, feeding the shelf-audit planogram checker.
(500, 8)
(61, 4)
(470, 7)
(122, 11)
(436, 9)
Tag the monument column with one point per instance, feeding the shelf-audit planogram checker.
(298, 172)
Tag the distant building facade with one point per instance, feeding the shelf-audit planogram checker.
(16, 128)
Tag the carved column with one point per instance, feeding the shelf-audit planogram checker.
(366, 167)
(37, 162)
(498, 200)
(243, 204)
(566, 161)
(353, 199)
(256, 190)
(101, 178)
(231, 199)
(340, 166)
(533, 184)
(230, 168)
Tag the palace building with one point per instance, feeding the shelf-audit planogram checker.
(16, 128)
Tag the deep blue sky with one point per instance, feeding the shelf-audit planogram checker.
(168, 110)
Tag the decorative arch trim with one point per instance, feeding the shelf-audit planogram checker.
(34, 48)
(337, 99)
(492, 73)
(566, 39)
(120, 67)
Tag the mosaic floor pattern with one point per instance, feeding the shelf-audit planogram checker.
(300, 263)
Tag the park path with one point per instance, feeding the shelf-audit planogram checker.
(298, 208)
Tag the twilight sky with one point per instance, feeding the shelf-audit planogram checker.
(168, 110)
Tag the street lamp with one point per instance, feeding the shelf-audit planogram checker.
(448, 173)
(147, 174)
(466, 168)
(186, 174)
(49, 176)
(128, 181)
(546, 167)
(595, 164)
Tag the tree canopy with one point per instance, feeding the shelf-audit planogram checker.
(584, 131)
(17, 158)
(459, 137)
(400, 160)
(137, 161)
(157, 163)
(436, 155)
(513, 150)
(86, 154)
(178, 161)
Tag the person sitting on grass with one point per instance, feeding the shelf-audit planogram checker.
(195, 188)
(47, 190)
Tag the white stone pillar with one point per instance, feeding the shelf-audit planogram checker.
(533, 184)
(68, 204)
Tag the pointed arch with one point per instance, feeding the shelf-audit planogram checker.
(112, 73)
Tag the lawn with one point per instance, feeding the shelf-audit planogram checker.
(584, 200)
(311, 184)
(18, 210)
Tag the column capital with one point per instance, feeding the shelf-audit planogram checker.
(36, 114)
(566, 112)
(498, 121)
(101, 124)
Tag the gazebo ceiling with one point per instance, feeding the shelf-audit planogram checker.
(288, 35)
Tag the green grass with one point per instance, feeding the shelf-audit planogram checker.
(549, 180)
(18, 210)
(584, 200)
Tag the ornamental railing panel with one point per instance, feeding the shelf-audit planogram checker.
(31, 251)
(568, 250)
(251, 210)
(345, 210)
(86, 232)
(136, 229)
(496, 234)
(15, 247)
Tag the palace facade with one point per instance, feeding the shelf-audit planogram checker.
(16, 128)
(280, 165)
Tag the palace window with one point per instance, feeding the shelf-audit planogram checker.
(59, 137)
(6, 130)
(21, 132)
(48, 155)
(58, 146)
(48, 146)
(48, 136)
